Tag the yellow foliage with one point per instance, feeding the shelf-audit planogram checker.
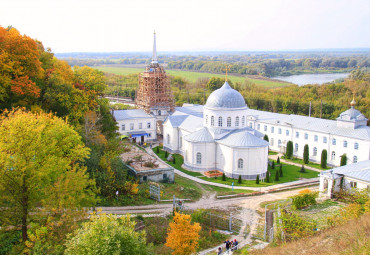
(351, 211)
(304, 191)
(183, 236)
(367, 206)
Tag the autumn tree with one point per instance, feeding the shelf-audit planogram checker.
(91, 79)
(183, 235)
(39, 155)
(106, 235)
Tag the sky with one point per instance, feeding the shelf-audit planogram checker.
(190, 25)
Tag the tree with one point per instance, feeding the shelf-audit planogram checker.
(289, 150)
(90, 78)
(324, 158)
(240, 179)
(258, 179)
(157, 149)
(166, 155)
(223, 177)
(107, 234)
(266, 138)
(267, 176)
(214, 83)
(306, 154)
(174, 160)
(343, 160)
(273, 165)
(278, 160)
(303, 170)
(281, 170)
(182, 235)
(277, 175)
(39, 155)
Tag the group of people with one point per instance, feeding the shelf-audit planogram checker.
(229, 245)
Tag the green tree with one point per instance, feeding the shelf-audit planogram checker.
(107, 234)
(258, 179)
(302, 170)
(281, 170)
(278, 160)
(223, 177)
(174, 160)
(157, 149)
(90, 79)
(266, 138)
(343, 160)
(39, 155)
(215, 83)
(267, 176)
(306, 154)
(277, 175)
(240, 179)
(166, 154)
(324, 158)
(289, 150)
(273, 165)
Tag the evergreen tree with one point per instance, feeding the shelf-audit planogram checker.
(174, 160)
(157, 149)
(266, 138)
(267, 176)
(306, 154)
(277, 175)
(343, 160)
(240, 179)
(289, 150)
(302, 169)
(273, 165)
(324, 158)
(223, 177)
(281, 170)
(258, 179)
(166, 154)
(278, 160)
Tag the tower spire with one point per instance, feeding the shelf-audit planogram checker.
(154, 56)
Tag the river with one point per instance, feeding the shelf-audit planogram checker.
(303, 79)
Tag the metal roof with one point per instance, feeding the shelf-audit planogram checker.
(359, 170)
(225, 97)
(176, 120)
(200, 136)
(242, 138)
(130, 114)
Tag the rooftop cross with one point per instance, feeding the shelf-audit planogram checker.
(227, 68)
(154, 56)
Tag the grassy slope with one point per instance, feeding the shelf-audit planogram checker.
(193, 76)
(349, 238)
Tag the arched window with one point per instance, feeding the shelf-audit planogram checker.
(324, 139)
(354, 159)
(206, 119)
(258, 126)
(229, 121)
(296, 147)
(314, 151)
(220, 121)
(265, 128)
(159, 112)
(272, 141)
(243, 121)
(240, 163)
(250, 124)
(345, 144)
(199, 158)
(316, 138)
(296, 134)
(334, 141)
(356, 146)
(212, 121)
(333, 155)
(287, 132)
(279, 131)
(279, 143)
(168, 139)
(237, 121)
(306, 136)
(272, 129)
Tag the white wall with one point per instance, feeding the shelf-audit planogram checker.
(233, 113)
(135, 122)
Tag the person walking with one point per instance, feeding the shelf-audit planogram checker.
(227, 242)
(219, 251)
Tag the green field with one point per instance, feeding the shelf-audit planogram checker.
(194, 76)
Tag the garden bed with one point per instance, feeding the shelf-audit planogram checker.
(213, 173)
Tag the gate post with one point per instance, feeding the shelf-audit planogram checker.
(230, 222)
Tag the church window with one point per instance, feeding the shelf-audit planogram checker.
(140, 125)
(272, 141)
(345, 144)
(296, 147)
(206, 119)
(265, 127)
(199, 158)
(324, 139)
(258, 126)
(272, 129)
(148, 125)
(123, 127)
(168, 139)
(287, 132)
(314, 151)
(296, 134)
(333, 155)
(334, 141)
(250, 124)
(237, 121)
(159, 112)
(212, 121)
(220, 121)
(316, 138)
(229, 121)
(354, 159)
(353, 184)
(243, 121)
(279, 143)
(356, 146)
(305, 136)
(279, 131)
(131, 126)
(240, 163)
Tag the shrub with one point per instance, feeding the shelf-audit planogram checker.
(174, 160)
(295, 226)
(281, 170)
(240, 179)
(306, 154)
(302, 169)
(324, 158)
(258, 179)
(267, 176)
(343, 160)
(266, 138)
(223, 177)
(277, 175)
(278, 160)
(273, 165)
(303, 200)
(157, 149)
(289, 150)
(166, 154)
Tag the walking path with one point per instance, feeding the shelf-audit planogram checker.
(274, 157)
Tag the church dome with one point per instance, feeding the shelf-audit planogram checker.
(225, 97)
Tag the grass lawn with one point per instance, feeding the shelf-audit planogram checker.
(194, 76)
(311, 164)
(273, 153)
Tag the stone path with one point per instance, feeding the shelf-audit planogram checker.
(274, 157)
